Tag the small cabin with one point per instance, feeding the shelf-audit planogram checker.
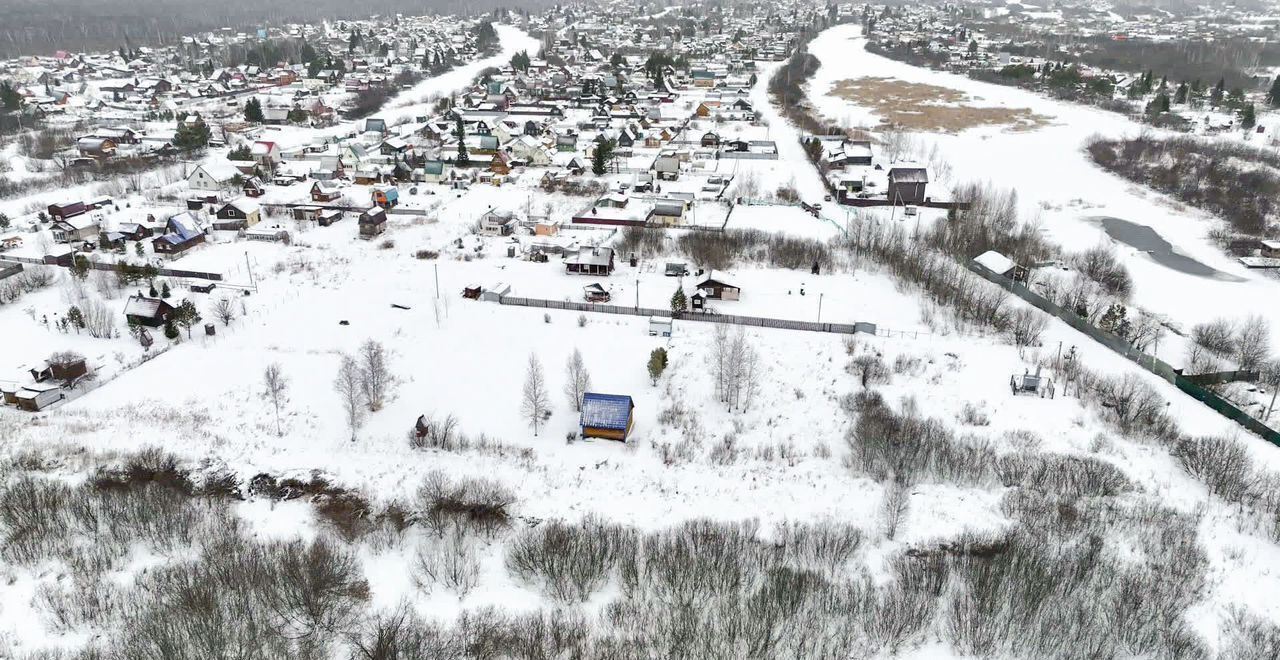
(385, 196)
(718, 290)
(594, 293)
(373, 222)
(149, 312)
(608, 416)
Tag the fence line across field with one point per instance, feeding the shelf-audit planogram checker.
(754, 321)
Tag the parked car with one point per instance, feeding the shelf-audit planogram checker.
(909, 209)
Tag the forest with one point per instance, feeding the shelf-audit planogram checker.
(41, 27)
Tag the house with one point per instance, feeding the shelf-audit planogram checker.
(907, 185)
(148, 312)
(710, 139)
(497, 223)
(667, 167)
(373, 222)
(660, 326)
(590, 261)
(675, 269)
(69, 210)
(385, 196)
(71, 230)
(495, 292)
(326, 217)
(608, 416)
(432, 171)
(212, 176)
(238, 214)
(594, 293)
(325, 191)
(266, 154)
(64, 368)
(35, 398)
(500, 163)
(717, 290)
(252, 187)
(182, 232)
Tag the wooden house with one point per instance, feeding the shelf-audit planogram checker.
(73, 230)
(253, 187)
(718, 290)
(608, 416)
(907, 185)
(373, 222)
(238, 214)
(325, 191)
(148, 312)
(590, 261)
(65, 211)
(182, 232)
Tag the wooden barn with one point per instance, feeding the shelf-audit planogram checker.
(608, 416)
(718, 290)
(907, 185)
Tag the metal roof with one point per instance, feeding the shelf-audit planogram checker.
(606, 411)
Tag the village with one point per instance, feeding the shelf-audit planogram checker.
(627, 330)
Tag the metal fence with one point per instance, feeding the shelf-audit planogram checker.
(1149, 362)
(102, 265)
(755, 321)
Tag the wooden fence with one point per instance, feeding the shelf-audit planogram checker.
(754, 321)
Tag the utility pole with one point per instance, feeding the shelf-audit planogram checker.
(820, 307)
(436, 270)
(637, 294)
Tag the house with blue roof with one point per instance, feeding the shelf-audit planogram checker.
(608, 416)
(181, 233)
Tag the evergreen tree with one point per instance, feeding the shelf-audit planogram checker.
(679, 302)
(140, 249)
(253, 111)
(191, 135)
(1248, 117)
(152, 292)
(657, 364)
(186, 315)
(1215, 97)
(460, 132)
(76, 318)
(1180, 96)
(1273, 96)
(10, 99)
(164, 290)
(80, 267)
(600, 157)
(170, 329)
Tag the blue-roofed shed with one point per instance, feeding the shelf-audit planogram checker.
(608, 416)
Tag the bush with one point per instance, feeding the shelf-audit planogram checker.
(478, 504)
(568, 562)
(1221, 464)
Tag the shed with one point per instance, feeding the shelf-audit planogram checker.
(995, 262)
(660, 326)
(495, 292)
(594, 293)
(608, 416)
(907, 185)
(38, 397)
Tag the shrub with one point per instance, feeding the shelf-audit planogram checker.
(569, 562)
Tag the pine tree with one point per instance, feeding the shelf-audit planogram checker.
(600, 157)
(253, 111)
(657, 364)
(1273, 96)
(152, 292)
(460, 132)
(170, 329)
(1180, 96)
(679, 302)
(164, 290)
(1248, 117)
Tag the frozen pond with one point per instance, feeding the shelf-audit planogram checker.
(1162, 252)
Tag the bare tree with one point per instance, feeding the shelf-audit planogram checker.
(893, 506)
(735, 365)
(1217, 336)
(350, 386)
(1026, 325)
(277, 386)
(1253, 342)
(224, 310)
(376, 380)
(450, 561)
(536, 403)
(577, 380)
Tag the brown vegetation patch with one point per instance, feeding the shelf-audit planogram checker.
(922, 107)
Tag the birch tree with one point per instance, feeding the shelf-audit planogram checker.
(349, 385)
(376, 380)
(277, 386)
(536, 403)
(577, 380)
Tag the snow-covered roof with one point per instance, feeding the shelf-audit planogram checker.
(995, 262)
(143, 306)
(606, 411)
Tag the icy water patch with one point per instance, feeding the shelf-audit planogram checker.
(1162, 252)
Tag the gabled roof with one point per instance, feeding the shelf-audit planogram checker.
(606, 411)
(145, 307)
